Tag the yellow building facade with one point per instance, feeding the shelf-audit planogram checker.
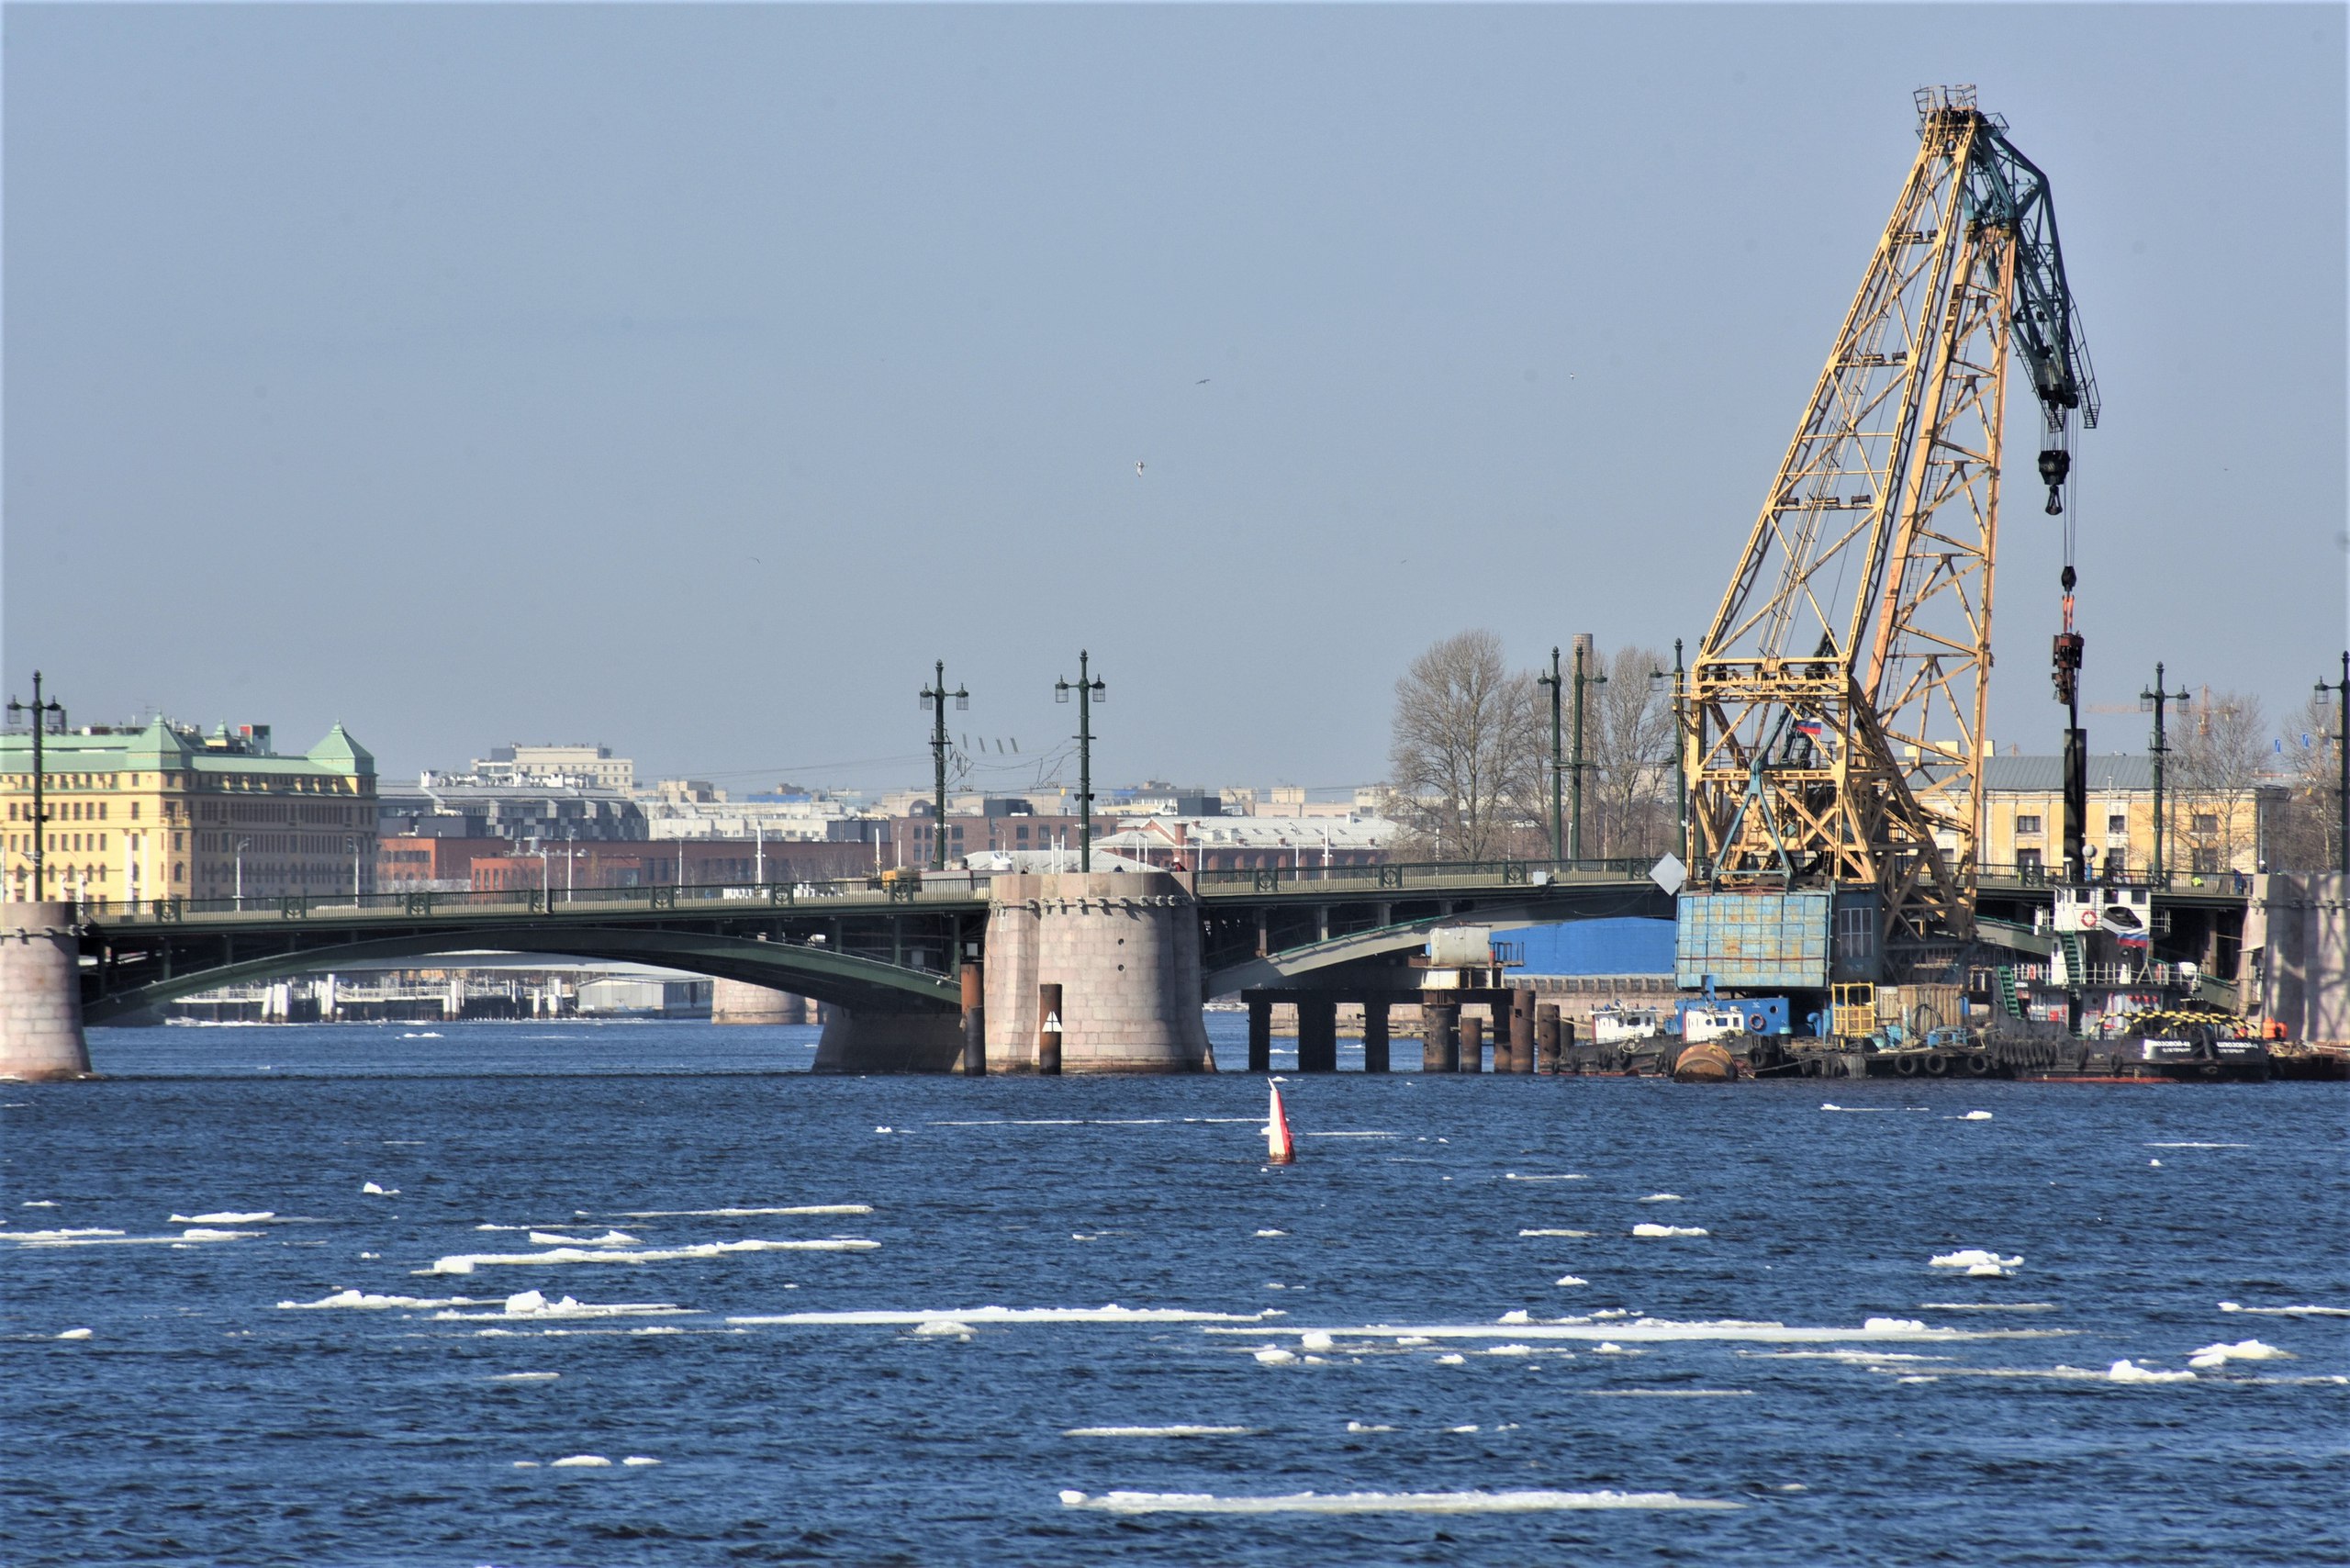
(2023, 826)
(169, 811)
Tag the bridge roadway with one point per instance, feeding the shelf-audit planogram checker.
(897, 945)
(892, 944)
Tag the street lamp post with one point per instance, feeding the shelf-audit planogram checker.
(351, 842)
(242, 844)
(1089, 690)
(1558, 833)
(40, 712)
(934, 698)
(2157, 702)
(2340, 689)
(1581, 681)
(1680, 754)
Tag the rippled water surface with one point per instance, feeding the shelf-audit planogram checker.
(1384, 1325)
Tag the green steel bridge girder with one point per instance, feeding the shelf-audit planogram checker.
(843, 979)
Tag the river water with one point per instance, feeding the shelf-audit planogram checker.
(1079, 1321)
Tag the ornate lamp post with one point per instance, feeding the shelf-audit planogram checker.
(2157, 702)
(1090, 690)
(934, 698)
(40, 712)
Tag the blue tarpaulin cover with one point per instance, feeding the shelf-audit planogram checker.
(1628, 946)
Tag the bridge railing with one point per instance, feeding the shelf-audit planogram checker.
(1405, 875)
(2032, 874)
(555, 902)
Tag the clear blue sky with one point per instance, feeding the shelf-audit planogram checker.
(690, 379)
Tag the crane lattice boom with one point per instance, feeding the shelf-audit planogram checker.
(1837, 702)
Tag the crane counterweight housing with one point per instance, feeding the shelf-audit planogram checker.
(1835, 728)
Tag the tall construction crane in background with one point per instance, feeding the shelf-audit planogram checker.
(1835, 730)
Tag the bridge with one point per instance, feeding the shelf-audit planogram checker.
(891, 953)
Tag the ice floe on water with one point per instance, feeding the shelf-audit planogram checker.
(1514, 1176)
(1381, 1502)
(1159, 1432)
(580, 1462)
(225, 1218)
(535, 1303)
(610, 1238)
(1509, 1349)
(740, 1213)
(1978, 1263)
(37, 1203)
(1451, 1360)
(2127, 1370)
(375, 1190)
(1555, 1233)
(1315, 1339)
(1112, 1313)
(1361, 1427)
(1610, 1348)
(525, 1377)
(1974, 1116)
(2174, 1144)
(467, 1262)
(360, 1301)
(2287, 1311)
(1570, 1280)
(941, 1327)
(1986, 1306)
(33, 1240)
(2243, 1350)
(75, 1334)
(1616, 1325)
(1655, 1230)
(1273, 1233)
(1274, 1356)
(1663, 1198)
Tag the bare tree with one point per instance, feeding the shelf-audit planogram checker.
(1466, 752)
(2305, 828)
(1628, 737)
(2218, 770)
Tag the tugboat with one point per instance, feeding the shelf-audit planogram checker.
(2192, 1045)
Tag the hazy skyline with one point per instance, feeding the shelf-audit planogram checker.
(690, 379)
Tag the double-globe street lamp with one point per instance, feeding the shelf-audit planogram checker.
(40, 712)
(1090, 690)
(934, 701)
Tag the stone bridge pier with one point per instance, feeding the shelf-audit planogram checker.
(40, 994)
(1124, 948)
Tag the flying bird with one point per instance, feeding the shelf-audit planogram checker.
(1137, 467)
(1202, 381)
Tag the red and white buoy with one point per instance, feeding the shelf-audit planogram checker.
(1280, 1149)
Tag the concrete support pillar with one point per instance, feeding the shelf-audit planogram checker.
(1472, 1045)
(1260, 1032)
(1123, 946)
(1317, 1033)
(867, 1039)
(1374, 1034)
(975, 1028)
(1545, 1037)
(40, 994)
(1521, 1031)
(1050, 1027)
(1440, 1037)
(740, 1001)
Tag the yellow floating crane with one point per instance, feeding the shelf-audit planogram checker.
(1834, 735)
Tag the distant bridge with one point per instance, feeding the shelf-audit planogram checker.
(892, 944)
(896, 945)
